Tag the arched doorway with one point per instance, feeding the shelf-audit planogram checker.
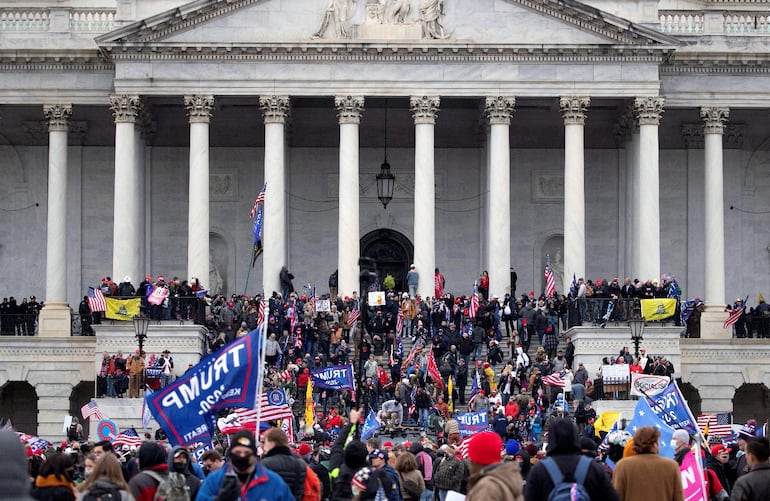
(392, 252)
(81, 394)
(18, 402)
(751, 401)
(692, 395)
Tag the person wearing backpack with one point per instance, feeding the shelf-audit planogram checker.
(154, 481)
(179, 462)
(449, 472)
(564, 452)
(105, 483)
(489, 478)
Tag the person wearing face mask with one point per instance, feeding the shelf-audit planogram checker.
(243, 477)
(179, 462)
(55, 482)
(104, 478)
(680, 442)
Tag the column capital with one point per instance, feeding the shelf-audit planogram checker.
(125, 107)
(714, 119)
(58, 116)
(648, 110)
(573, 109)
(349, 109)
(199, 108)
(499, 109)
(275, 109)
(424, 109)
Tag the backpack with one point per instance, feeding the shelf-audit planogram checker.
(410, 487)
(568, 491)
(173, 488)
(101, 492)
(449, 473)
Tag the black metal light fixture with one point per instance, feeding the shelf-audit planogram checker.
(385, 179)
(636, 324)
(141, 324)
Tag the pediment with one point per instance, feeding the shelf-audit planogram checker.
(249, 23)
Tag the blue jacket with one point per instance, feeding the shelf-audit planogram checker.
(264, 484)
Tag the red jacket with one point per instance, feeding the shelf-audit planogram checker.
(143, 486)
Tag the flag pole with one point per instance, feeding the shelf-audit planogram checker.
(261, 372)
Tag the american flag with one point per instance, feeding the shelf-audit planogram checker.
(399, 322)
(735, 315)
(550, 283)
(415, 349)
(247, 418)
(353, 317)
(260, 199)
(555, 379)
(261, 312)
(462, 448)
(434, 373)
(127, 437)
(715, 425)
(91, 409)
(475, 387)
(96, 300)
(474, 308)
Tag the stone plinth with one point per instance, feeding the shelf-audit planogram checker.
(55, 321)
(711, 323)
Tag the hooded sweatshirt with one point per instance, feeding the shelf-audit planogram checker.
(193, 482)
(14, 476)
(152, 457)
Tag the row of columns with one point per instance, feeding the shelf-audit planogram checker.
(642, 190)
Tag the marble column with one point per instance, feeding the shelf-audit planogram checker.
(424, 110)
(275, 112)
(199, 112)
(573, 110)
(55, 317)
(499, 111)
(714, 229)
(636, 213)
(648, 111)
(126, 199)
(349, 110)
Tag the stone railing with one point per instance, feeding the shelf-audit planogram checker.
(24, 20)
(58, 20)
(714, 22)
(92, 21)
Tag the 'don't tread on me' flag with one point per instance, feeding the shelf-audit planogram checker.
(122, 309)
(658, 308)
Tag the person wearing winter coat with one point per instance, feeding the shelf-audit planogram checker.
(564, 448)
(281, 460)
(106, 475)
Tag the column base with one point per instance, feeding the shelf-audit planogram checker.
(711, 323)
(55, 320)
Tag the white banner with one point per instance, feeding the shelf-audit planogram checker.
(377, 298)
(323, 305)
(649, 384)
(615, 374)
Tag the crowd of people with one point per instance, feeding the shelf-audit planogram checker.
(19, 319)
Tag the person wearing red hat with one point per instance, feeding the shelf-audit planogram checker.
(489, 479)
(717, 463)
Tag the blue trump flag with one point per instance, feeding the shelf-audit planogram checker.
(371, 425)
(336, 377)
(187, 408)
(670, 406)
(472, 422)
(645, 416)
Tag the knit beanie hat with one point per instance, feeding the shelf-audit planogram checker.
(512, 447)
(484, 448)
(151, 454)
(361, 478)
(244, 438)
(355, 455)
(452, 426)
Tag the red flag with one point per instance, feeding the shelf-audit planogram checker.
(435, 375)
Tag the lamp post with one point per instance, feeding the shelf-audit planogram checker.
(141, 324)
(636, 324)
(385, 179)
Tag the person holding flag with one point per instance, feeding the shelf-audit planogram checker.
(633, 474)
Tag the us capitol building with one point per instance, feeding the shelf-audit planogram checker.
(623, 138)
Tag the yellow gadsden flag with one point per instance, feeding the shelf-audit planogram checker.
(605, 421)
(658, 309)
(450, 404)
(122, 309)
(309, 406)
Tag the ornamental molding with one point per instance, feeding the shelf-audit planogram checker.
(714, 119)
(199, 108)
(573, 109)
(125, 107)
(275, 109)
(424, 109)
(58, 116)
(648, 110)
(349, 109)
(499, 110)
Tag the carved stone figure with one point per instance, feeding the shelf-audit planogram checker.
(337, 14)
(431, 12)
(399, 10)
(215, 278)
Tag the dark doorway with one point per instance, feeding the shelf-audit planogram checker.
(692, 395)
(18, 402)
(81, 394)
(392, 252)
(751, 401)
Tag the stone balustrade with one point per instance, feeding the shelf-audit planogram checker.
(713, 22)
(30, 20)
